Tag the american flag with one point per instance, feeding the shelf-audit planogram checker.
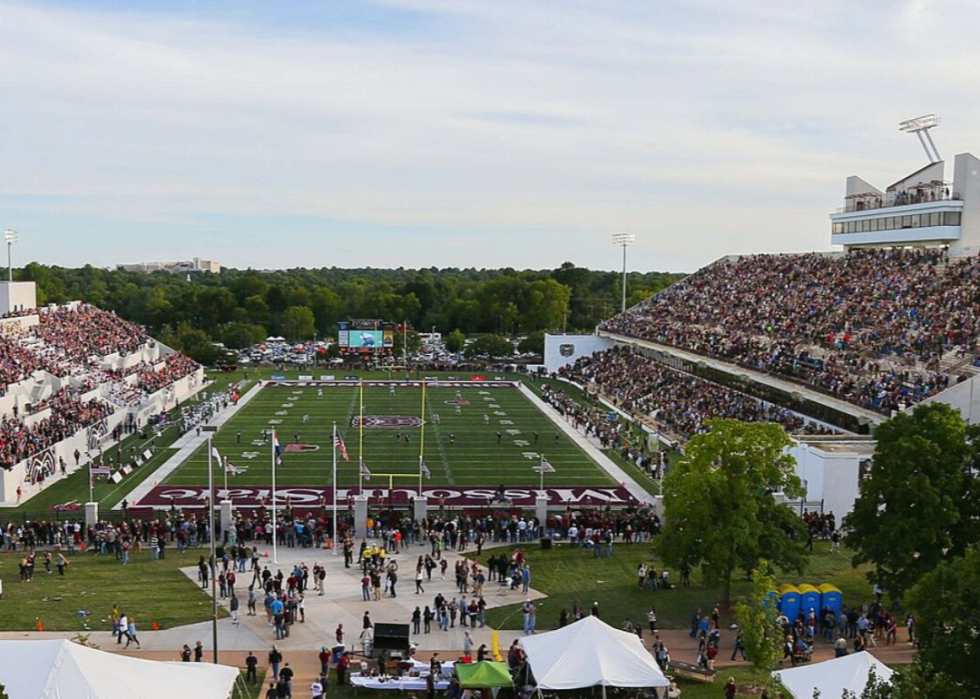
(339, 443)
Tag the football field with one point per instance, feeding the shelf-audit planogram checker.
(472, 435)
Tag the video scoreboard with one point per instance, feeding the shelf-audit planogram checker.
(366, 337)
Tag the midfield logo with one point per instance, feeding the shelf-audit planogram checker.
(386, 421)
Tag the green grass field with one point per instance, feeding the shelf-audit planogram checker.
(459, 448)
(150, 590)
(567, 574)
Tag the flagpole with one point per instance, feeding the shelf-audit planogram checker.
(224, 467)
(214, 563)
(275, 543)
(360, 444)
(422, 440)
(542, 472)
(334, 488)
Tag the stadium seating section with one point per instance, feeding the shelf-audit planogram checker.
(84, 348)
(878, 328)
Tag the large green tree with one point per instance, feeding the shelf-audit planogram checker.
(947, 604)
(455, 341)
(298, 323)
(920, 503)
(492, 346)
(720, 506)
(756, 616)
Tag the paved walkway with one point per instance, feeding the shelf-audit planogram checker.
(607, 464)
(186, 445)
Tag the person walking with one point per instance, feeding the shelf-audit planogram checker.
(233, 608)
(251, 667)
(418, 582)
(286, 677)
(131, 633)
(275, 657)
(739, 646)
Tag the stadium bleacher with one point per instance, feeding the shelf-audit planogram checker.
(76, 349)
(678, 402)
(872, 327)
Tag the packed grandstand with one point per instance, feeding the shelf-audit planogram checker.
(679, 402)
(74, 345)
(881, 328)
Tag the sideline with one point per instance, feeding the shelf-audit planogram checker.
(185, 446)
(605, 463)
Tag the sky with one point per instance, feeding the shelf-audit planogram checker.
(458, 133)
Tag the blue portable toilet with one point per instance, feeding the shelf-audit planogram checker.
(832, 597)
(810, 599)
(789, 601)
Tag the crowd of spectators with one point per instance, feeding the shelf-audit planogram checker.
(72, 342)
(678, 402)
(69, 414)
(594, 421)
(868, 326)
(175, 366)
(82, 331)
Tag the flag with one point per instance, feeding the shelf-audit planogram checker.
(544, 467)
(365, 473)
(339, 443)
(216, 454)
(425, 470)
(276, 449)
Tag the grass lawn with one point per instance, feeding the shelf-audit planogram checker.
(150, 590)
(460, 448)
(567, 574)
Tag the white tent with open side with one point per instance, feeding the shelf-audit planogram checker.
(61, 669)
(832, 677)
(591, 653)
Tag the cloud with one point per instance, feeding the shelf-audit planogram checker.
(530, 131)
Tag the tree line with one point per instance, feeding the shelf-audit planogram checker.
(241, 307)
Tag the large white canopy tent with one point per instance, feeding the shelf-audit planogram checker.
(61, 669)
(832, 677)
(591, 653)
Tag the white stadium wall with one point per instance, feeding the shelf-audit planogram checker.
(17, 296)
(964, 396)
(832, 476)
(560, 350)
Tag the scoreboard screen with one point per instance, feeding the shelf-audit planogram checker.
(365, 336)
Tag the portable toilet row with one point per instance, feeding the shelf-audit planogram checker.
(794, 599)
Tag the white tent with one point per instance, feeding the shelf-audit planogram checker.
(832, 677)
(589, 653)
(64, 670)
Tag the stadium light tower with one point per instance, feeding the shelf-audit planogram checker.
(11, 237)
(624, 240)
(920, 127)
